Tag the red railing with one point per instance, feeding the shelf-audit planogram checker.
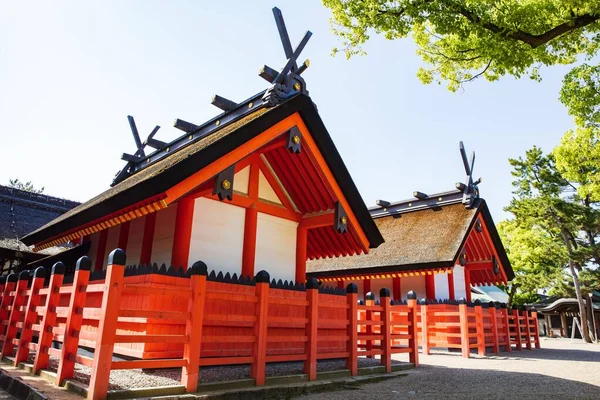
(181, 322)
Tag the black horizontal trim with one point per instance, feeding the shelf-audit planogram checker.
(390, 269)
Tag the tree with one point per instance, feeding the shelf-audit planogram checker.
(463, 40)
(546, 200)
(26, 186)
(536, 257)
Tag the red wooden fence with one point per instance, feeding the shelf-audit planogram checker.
(189, 319)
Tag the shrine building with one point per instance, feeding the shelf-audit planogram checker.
(261, 186)
(437, 245)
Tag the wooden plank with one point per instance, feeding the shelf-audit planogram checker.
(156, 291)
(151, 339)
(193, 328)
(153, 314)
(143, 364)
(312, 296)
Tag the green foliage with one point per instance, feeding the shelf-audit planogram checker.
(521, 299)
(26, 186)
(461, 40)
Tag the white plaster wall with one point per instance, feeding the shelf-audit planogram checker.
(276, 246)
(442, 291)
(94, 238)
(377, 284)
(265, 191)
(458, 274)
(217, 235)
(135, 240)
(414, 283)
(361, 287)
(164, 230)
(112, 242)
(241, 179)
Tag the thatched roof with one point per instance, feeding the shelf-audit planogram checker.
(423, 237)
(427, 238)
(173, 169)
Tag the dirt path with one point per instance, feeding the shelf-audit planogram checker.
(560, 370)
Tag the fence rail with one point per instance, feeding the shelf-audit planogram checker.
(191, 318)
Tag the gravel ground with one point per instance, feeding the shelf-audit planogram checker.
(562, 369)
(131, 379)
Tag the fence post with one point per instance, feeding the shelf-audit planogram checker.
(15, 312)
(30, 315)
(66, 366)
(493, 317)
(107, 328)
(479, 328)
(504, 310)
(536, 328)
(413, 330)
(49, 319)
(527, 329)
(259, 351)
(464, 327)
(386, 329)
(312, 312)
(193, 327)
(515, 313)
(11, 282)
(369, 301)
(2, 286)
(352, 298)
(424, 327)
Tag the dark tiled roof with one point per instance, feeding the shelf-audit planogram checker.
(166, 173)
(22, 212)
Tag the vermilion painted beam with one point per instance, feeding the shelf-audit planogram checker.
(266, 208)
(275, 144)
(397, 288)
(468, 285)
(124, 235)
(327, 246)
(148, 238)
(367, 286)
(302, 197)
(301, 249)
(430, 286)
(249, 250)
(101, 250)
(309, 180)
(303, 181)
(451, 287)
(326, 192)
(183, 232)
(279, 191)
(334, 238)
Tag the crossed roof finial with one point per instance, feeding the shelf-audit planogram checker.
(469, 188)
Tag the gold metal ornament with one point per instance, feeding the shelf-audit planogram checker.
(296, 139)
(226, 184)
(343, 220)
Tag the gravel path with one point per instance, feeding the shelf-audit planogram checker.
(560, 370)
(131, 379)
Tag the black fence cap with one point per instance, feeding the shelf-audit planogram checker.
(370, 296)
(411, 295)
(117, 257)
(352, 288)
(312, 283)
(12, 277)
(199, 268)
(40, 272)
(84, 264)
(384, 292)
(262, 277)
(23, 275)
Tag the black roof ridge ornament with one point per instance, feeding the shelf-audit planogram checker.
(469, 188)
(286, 83)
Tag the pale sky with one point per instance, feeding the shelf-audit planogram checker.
(71, 72)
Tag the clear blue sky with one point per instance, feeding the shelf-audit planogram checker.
(70, 73)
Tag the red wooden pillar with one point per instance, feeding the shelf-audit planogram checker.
(99, 261)
(451, 294)
(259, 348)
(124, 235)
(527, 330)
(369, 301)
(340, 284)
(193, 327)
(479, 328)
(430, 286)
(301, 245)
(366, 287)
(396, 288)
(11, 282)
(148, 238)
(183, 233)
(249, 250)
(49, 319)
(312, 312)
(467, 285)
(107, 327)
(536, 329)
(30, 315)
(18, 300)
(352, 298)
(505, 319)
(386, 329)
(66, 366)
(515, 313)
(413, 331)
(424, 328)
(493, 312)
(464, 329)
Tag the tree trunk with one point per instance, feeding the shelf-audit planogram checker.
(511, 294)
(582, 309)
